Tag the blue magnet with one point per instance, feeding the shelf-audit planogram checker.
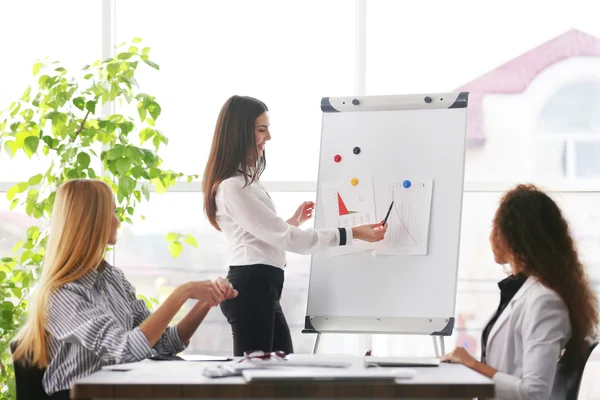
(406, 184)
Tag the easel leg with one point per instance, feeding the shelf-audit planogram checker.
(441, 349)
(316, 345)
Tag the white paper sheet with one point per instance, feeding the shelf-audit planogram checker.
(408, 223)
(348, 205)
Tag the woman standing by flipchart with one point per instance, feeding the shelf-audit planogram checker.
(236, 204)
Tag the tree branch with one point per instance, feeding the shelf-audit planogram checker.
(3, 369)
(78, 131)
(83, 122)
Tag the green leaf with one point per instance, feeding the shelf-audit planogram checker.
(15, 189)
(27, 114)
(152, 64)
(172, 236)
(137, 171)
(30, 145)
(33, 232)
(13, 204)
(126, 185)
(35, 180)
(124, 56)
(156, 141)
(154, 110)
(145, 192)
(15, 110)
(79, 102)
(175, 249)
(191, 240)
(88, 76)
(154, 173)
(145, 51)
(123, 165)
(11, 147)
(133, 49)
(36, 68)
(18, 292)
(83, 159)
(114, 153)
(146, 134)
(150, 158)
(17, 246)
(113, 69)
(91, 173)
(60, 69)
(126, 127)
(25, 96)
(141, 111)
(91, 106)
(136, 40)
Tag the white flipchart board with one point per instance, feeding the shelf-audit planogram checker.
(400, 137)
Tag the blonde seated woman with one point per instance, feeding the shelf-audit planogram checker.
(84, 313)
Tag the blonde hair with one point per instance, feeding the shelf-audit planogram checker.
(79, 233)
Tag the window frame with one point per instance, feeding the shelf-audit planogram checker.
(109, 9)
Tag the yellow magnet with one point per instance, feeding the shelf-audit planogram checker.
(354, 181)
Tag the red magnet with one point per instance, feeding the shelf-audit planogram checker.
(337, 158)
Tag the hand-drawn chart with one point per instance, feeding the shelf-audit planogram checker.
(349, 205)
(408, 223)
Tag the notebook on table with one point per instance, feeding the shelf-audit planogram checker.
(399, 362)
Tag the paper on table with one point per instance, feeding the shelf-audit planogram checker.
(408, 223)
(346, 205)
(322, 374)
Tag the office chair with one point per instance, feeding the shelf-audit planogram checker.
(568, 377)
(28, 381)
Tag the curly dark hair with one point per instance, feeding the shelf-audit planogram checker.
(533, 228)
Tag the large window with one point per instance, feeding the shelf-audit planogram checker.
(286, 54)
(65, 30)
(533, 116)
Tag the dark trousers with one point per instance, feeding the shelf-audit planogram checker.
(255, 315)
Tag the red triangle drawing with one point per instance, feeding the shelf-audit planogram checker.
(341, 206)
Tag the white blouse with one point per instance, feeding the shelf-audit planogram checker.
(256, 235)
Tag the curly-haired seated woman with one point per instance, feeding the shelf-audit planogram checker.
(84, 313)
(546, 305)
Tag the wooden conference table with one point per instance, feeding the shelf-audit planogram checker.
(184, 380)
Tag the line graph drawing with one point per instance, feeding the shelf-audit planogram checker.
(408, 226)
(405, 229)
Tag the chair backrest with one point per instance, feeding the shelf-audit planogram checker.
(568, 377)
(28, 380)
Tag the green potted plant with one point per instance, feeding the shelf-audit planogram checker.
(60, 120)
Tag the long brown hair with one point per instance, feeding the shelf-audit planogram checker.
(233, 148)
(79, 233)
(533, 228)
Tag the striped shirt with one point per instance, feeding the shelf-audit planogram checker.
(94, 321)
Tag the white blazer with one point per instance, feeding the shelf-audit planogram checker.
(526, 341)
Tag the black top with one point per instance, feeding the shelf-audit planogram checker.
(508, 288)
